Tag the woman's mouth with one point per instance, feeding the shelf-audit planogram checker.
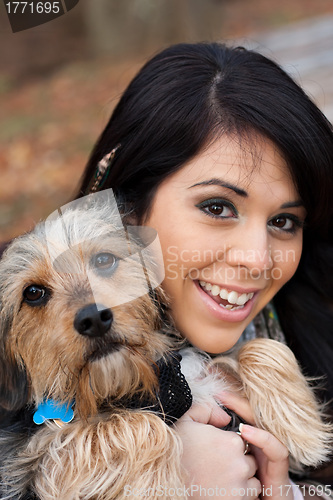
(227, 299)
(238, 305)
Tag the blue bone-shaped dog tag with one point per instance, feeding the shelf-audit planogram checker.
(53, 410)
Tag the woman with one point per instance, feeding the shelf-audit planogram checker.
(221, 152)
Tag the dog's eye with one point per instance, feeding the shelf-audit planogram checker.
(34, 294)
(104, 262)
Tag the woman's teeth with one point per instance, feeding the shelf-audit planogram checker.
(233, 298)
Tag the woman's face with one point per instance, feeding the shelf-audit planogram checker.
(230, 225)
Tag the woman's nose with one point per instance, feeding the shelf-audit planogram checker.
(251, 249)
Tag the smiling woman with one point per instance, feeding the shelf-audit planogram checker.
(219, 150)
(244, 217)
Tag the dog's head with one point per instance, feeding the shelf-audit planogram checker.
(76, 318)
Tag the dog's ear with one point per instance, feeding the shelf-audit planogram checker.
(13, 385)
(13, 378)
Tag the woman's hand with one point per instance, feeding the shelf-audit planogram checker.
(273, 463)
(214, 459)
(270, 454)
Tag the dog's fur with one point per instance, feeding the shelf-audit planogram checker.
(107, 446)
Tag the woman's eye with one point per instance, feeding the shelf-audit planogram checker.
(104, 262)
(289, 223)
(219, 208)
(35, 295)
(282, 223)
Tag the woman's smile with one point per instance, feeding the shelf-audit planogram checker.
(230, 225)
(226, 298)
(235, 307)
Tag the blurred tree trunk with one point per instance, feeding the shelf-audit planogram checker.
(207, 19)
(120, 26)
(175, 20)
(103, 18)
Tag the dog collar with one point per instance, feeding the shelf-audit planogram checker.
(50, 409)
(173, 396)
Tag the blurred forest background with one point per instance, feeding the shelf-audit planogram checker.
(60, 81)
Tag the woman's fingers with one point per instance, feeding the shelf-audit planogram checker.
(238, 404)
(207, 414)
(254, 488)
(272, 459)
(214, 459)
(268, 456)
(270, 446)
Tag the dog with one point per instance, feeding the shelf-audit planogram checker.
(85, 337)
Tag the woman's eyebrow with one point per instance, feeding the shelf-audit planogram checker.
(221, 183)
(241, 192)
(293, 204)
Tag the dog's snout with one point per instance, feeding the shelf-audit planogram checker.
(93, 321)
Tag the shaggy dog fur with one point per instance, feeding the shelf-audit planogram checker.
(49, 278)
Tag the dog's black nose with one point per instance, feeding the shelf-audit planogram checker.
(93, 321)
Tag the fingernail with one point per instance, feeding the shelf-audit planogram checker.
(245, 429)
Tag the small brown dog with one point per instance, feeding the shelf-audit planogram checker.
(80, 326)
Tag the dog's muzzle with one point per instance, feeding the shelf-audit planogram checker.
(93, 320)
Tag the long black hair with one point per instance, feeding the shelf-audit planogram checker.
(190, 94)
